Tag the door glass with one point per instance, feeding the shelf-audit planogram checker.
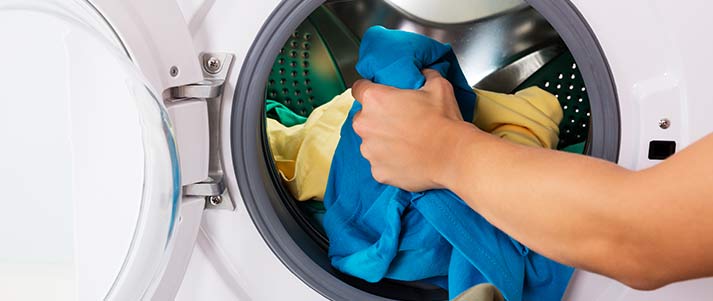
(88, 164)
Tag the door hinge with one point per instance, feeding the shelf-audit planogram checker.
(216, 69)
(207, 89)
(213, 190)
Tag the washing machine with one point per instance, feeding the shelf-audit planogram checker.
(134, 160)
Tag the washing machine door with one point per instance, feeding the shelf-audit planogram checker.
(89, 162)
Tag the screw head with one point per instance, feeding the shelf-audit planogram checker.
(213, 65)
(215, 200)
(174, 71)
(664, 123)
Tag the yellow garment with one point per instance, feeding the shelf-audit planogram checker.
(303, 153)
(529, 117)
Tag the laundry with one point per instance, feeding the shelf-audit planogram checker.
(378, 231)
(284, 115)
(529, 117)
(303, 153)
(575, 148)
(481, 292)
(314, 210)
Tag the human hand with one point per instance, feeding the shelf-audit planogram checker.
(410, 137)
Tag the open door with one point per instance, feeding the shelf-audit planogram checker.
(91, 164)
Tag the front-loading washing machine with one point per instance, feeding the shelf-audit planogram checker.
(134, 159)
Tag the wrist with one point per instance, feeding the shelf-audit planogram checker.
(460, 140)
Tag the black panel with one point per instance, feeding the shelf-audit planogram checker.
(660, 150)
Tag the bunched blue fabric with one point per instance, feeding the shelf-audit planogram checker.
(378, 231)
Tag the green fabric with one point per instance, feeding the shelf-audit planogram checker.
(575, 148)
(282, 113)
(314, 211)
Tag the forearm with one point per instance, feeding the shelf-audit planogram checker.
(541, 198)
(644, 228)
(581, 211)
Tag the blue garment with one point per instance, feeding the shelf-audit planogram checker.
(378, 231)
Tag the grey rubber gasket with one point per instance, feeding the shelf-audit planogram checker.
(604, 137)
(253, 175)
(256, 180)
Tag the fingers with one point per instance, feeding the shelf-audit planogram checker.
(362, 90)
(359, 88)
(357, 124)
(365, 91)
(431, 74)
(437, 84)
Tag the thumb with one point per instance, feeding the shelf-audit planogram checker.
(431, 74)
(365, 91)
(434, 80)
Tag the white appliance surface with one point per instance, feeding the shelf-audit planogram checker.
(90, 178)
(657, 58)
(647, 92)
(243, 266)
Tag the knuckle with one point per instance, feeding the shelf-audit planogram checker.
(441, 87)
(363, 91)
(445, 85)
(359, 125)
(378, 175)
(358, 86)
(440, 81)
(368, 95)
(364, 150)
(357, 116)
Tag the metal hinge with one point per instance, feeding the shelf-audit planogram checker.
(213, 191)
(216, 67)
(207, 89)
(208, 188)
